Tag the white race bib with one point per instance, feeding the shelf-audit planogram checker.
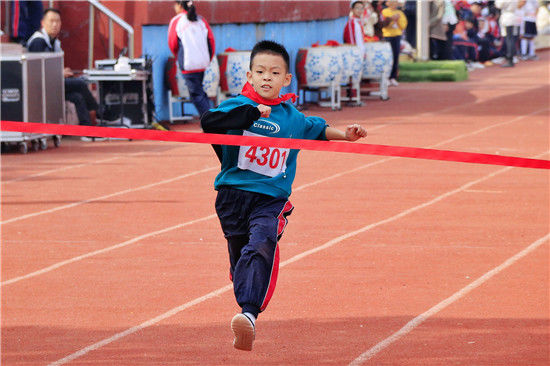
(269, 161)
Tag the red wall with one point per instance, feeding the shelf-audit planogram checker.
(74, 15)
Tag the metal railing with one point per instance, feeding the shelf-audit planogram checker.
(94, 4)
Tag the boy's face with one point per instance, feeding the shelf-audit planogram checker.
(358, 9)
(268, 75)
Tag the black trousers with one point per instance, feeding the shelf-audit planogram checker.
(395, 43)
(252, 223)
(511, 39)
(198, 95)
(77, 92)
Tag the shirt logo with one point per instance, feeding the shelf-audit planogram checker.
(267, 126)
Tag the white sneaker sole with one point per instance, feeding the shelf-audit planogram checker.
(243, 331)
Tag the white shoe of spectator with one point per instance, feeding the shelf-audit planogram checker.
(498, 60)
(393, 82)
(92, 139)
(478, 65)
(516, 59)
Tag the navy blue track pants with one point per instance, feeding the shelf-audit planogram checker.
(252, 223)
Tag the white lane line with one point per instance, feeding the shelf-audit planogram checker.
(410, 326)
(104, 250)
(144, 236)
(56, 170)
(491, 126)
(148, 235)
(46, 172)
(130, 190)
(141, 326)
(439, 111)
(18, 218)
(458, 137)
(304, 186)
(297, 257)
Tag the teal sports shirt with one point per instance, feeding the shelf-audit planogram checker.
(265, 170)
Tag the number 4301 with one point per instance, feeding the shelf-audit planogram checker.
(266, 155)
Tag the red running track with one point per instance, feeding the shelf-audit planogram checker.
(112, 255)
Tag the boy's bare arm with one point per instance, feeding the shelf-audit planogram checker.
(352, 133)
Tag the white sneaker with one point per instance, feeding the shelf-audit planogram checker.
(478, 65)
(92, 139)
(244, 332)
(393, 82)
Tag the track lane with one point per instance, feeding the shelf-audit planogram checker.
(274, 330)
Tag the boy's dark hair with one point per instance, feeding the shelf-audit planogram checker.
(50, 10)
(188, 6)
(272, 48)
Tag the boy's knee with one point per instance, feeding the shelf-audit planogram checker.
(265, 248)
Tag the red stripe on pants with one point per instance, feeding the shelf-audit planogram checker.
(273, 280)
(275, 269)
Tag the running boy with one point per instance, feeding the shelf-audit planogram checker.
(255, 182)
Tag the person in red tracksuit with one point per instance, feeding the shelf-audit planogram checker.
(353, 30)
(192, 42)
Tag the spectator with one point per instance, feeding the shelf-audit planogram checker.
(438, 37)
(353, 30)
(25, 19)
(394, 23)
(476, 8)
(373, 33)
(76, 89)
(464, 43)
(463, 9)
(528, 30)
(486, 42)
(192, 42)
(449, 21)
(509, 26)
(543, 18)
(409, 8)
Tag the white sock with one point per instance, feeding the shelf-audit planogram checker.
(532, 47)
(251, 317)
(524, 43)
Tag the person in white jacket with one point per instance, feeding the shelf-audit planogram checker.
(509, 24)
(191, 41)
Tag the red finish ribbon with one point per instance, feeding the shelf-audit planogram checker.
(208, 138)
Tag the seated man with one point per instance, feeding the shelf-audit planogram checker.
(76, 90)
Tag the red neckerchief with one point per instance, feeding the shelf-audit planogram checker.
(249, 92)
